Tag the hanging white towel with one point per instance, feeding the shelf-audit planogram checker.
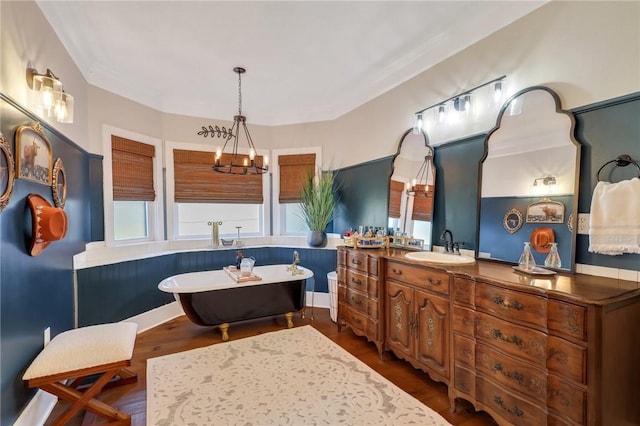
(614, 223)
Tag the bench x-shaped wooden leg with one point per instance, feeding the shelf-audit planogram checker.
(85, 400)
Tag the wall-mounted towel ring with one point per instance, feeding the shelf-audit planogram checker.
(621, 161)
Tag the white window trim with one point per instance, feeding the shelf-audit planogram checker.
(156, 216)
(278, 219)
(172, 209)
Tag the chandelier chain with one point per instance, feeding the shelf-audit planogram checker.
(239, 93)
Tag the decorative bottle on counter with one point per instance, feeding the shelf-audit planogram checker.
(553, 258)
(526, 258)
(238, 259)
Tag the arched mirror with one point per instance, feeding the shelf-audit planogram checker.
(412, 191)
(529, 180)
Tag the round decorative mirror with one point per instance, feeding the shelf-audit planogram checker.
(59, 184)
(7, 173)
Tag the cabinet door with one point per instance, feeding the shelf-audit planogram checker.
(400, 318)
(433, 332)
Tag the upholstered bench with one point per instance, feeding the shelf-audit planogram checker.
(101, 351)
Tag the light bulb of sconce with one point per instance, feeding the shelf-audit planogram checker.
(265, 160)
(414, 182)
(442, 115)
(252, 154)
(407, 186)
(467, 103)
(218, 153)
(245, 162)
(497, 92)
(418, 124)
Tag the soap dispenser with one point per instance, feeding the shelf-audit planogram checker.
(553, 258)
(526, 258)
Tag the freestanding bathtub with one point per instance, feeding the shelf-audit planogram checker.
(213, 298)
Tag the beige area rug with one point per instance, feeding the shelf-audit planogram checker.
(294, 377)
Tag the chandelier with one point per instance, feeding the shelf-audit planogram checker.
(232, 162)
(419, 186)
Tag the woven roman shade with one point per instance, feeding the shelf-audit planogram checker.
(423, 206)
(132, 169)
(196, 182)
(396, 189)
(294, 170)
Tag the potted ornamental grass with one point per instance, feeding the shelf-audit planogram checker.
(317, 206)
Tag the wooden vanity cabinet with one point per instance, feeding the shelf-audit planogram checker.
(537, 358)
(418, 321)
(360, 305)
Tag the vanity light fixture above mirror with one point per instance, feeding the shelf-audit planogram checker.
(461, 105)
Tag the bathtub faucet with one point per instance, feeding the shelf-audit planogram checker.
(293, 268)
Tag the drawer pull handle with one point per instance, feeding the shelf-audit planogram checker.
(356, 320)
(356, 301)
(356, 261)
(431, 281)
(515, 410)
(515, 375)
(498, 334)
(356, 281)
(396, 271)
(499, 300)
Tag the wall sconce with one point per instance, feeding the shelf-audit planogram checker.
(50, 97)
(544, 185)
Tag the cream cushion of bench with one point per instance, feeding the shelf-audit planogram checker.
(84, 347)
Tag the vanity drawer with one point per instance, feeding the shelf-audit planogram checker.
(464, 380)
(359, 321)
(567, 359)
(568, 319)
(512, 305)
(372, 267)
(463, 293)
(463, 320)
(567, 399)
(357, 281)
(464, 351)
(362, 303)
(508, 405)
(422, 277)
(510, 372)
(357, 261)
(512, 339)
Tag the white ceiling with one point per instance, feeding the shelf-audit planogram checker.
(306, 61)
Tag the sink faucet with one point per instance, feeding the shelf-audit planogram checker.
(448, 244)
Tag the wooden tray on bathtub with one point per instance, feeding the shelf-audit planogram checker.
(234, 273)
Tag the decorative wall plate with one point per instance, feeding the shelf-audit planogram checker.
(545, 211)
(512, 221)
(59, 184)
(7, 173)
(33, 154)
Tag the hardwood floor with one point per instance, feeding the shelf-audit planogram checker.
(182, 335)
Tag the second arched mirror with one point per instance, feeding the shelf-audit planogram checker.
(529, 181)
(412, 191)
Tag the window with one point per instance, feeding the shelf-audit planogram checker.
(293, 168)
(133, 191)
(202, 196)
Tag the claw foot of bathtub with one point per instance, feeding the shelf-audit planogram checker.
(224, 330)
(289, 317)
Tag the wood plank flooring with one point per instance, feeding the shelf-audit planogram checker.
(181, 335)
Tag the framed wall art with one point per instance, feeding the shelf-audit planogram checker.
(33, 154)
(59, 184)
(6, 173)
(512, 221)
(545, 211)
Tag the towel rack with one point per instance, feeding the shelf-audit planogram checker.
(621, 161)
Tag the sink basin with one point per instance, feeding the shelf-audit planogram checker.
(441, 258)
